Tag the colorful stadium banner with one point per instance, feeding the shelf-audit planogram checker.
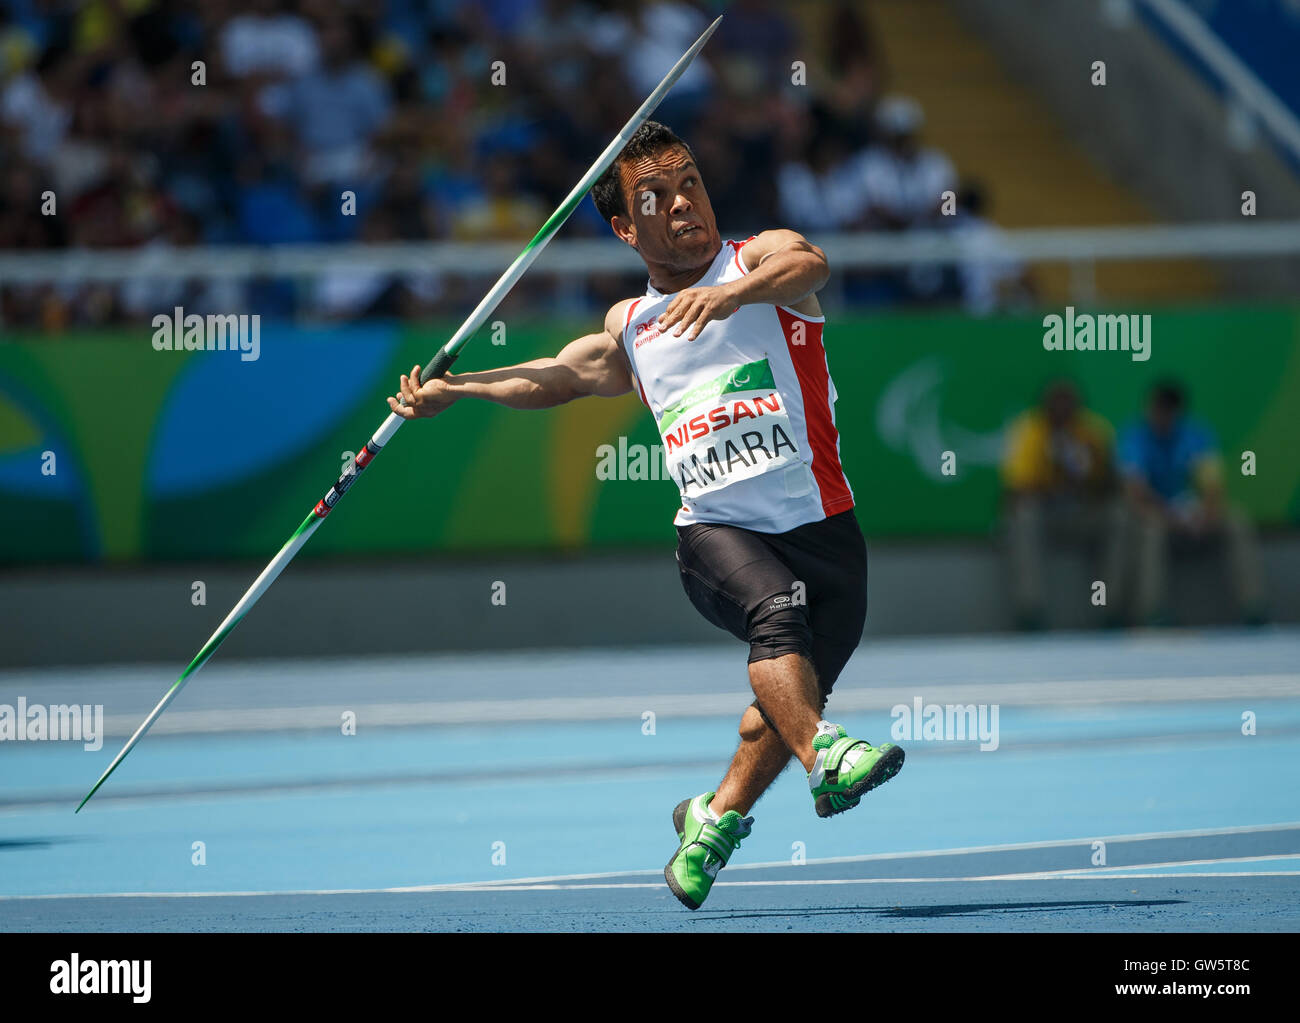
(113, 451)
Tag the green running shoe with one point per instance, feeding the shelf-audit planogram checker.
(679, 818)
(706, 846)
(846, 769)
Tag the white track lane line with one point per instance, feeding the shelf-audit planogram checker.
(1077, 692)
(568, 881)
(1106, 871)
(831, 881)
(957, 851)
(478, 889)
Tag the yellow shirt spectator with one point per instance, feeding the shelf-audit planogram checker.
(1075, 457)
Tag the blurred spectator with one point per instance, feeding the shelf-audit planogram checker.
(37, 104)
(900, 184)
(503, 212)
(18, 46)
(1173, 477)
(269, 40)
(270, 208)
(854, 76)
(80, 163)
(393, 101)
(821, 192)
(20, 194)
(648, 37)
(143, 297)
(357, 291)
(408, 198)
(735, 134)
(334, 111)
(756, 39)
(991, 277)
(1059, 487)
(903, 181)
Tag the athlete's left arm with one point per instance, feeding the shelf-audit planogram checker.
(784, 268)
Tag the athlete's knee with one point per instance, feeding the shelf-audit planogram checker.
(779, 626)
(752, 725)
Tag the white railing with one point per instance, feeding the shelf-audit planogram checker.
(1078, 246)
(1242, 85)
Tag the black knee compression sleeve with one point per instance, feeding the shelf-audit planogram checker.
(778, 626)
(779, 629)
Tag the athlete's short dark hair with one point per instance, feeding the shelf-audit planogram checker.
(651, 138)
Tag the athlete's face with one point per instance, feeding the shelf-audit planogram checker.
(670, 221)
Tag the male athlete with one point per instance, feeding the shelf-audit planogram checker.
(725, 350)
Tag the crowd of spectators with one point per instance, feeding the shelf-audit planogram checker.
(1153, 492)
(160, 124)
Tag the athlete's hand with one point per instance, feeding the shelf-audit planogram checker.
(430, 399)
(691, 309)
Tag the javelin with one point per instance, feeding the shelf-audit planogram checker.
(436, 368)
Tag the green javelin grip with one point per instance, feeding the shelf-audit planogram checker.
(436, 368)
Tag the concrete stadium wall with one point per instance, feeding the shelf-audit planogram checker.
(1155, 125)
(85, 615)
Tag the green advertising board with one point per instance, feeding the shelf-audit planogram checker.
(112, 451)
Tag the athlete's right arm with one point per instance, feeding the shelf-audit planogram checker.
(592, 365)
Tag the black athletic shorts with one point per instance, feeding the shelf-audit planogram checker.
(746, 583)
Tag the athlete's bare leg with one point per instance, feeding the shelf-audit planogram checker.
(787, 688)
(761, 756)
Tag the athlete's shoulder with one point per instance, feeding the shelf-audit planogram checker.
(616, 318)
(756, 248)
